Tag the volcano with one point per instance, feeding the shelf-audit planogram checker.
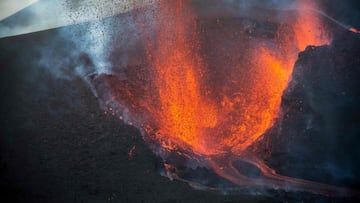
(209, 101)
(230, 97)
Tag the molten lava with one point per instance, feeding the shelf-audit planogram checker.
(187, 116)
(217, 113)
(184, 112)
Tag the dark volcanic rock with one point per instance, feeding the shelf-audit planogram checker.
(56, 145)
(317, 135)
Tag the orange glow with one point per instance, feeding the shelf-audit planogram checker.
(183, 112)
(213, 102)
(308, 27)
(354, 30)
(185, 116)
(259, 104)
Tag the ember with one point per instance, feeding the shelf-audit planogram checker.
(184, 104)
(186, 113)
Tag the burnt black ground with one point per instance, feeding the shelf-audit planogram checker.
(56, 145)
(317, 134)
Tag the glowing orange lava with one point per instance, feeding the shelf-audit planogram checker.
(215, 112)
(183, 112)
(185, 116)
(259, 105)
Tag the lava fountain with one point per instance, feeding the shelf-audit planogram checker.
(212, 107)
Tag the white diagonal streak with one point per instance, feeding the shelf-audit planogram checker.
(48, 14)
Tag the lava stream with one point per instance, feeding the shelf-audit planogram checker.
(269, 179)
(221, 123)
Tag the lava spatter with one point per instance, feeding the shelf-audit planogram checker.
(182, 112)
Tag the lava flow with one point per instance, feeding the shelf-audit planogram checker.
(188, 113)
(217, 113)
